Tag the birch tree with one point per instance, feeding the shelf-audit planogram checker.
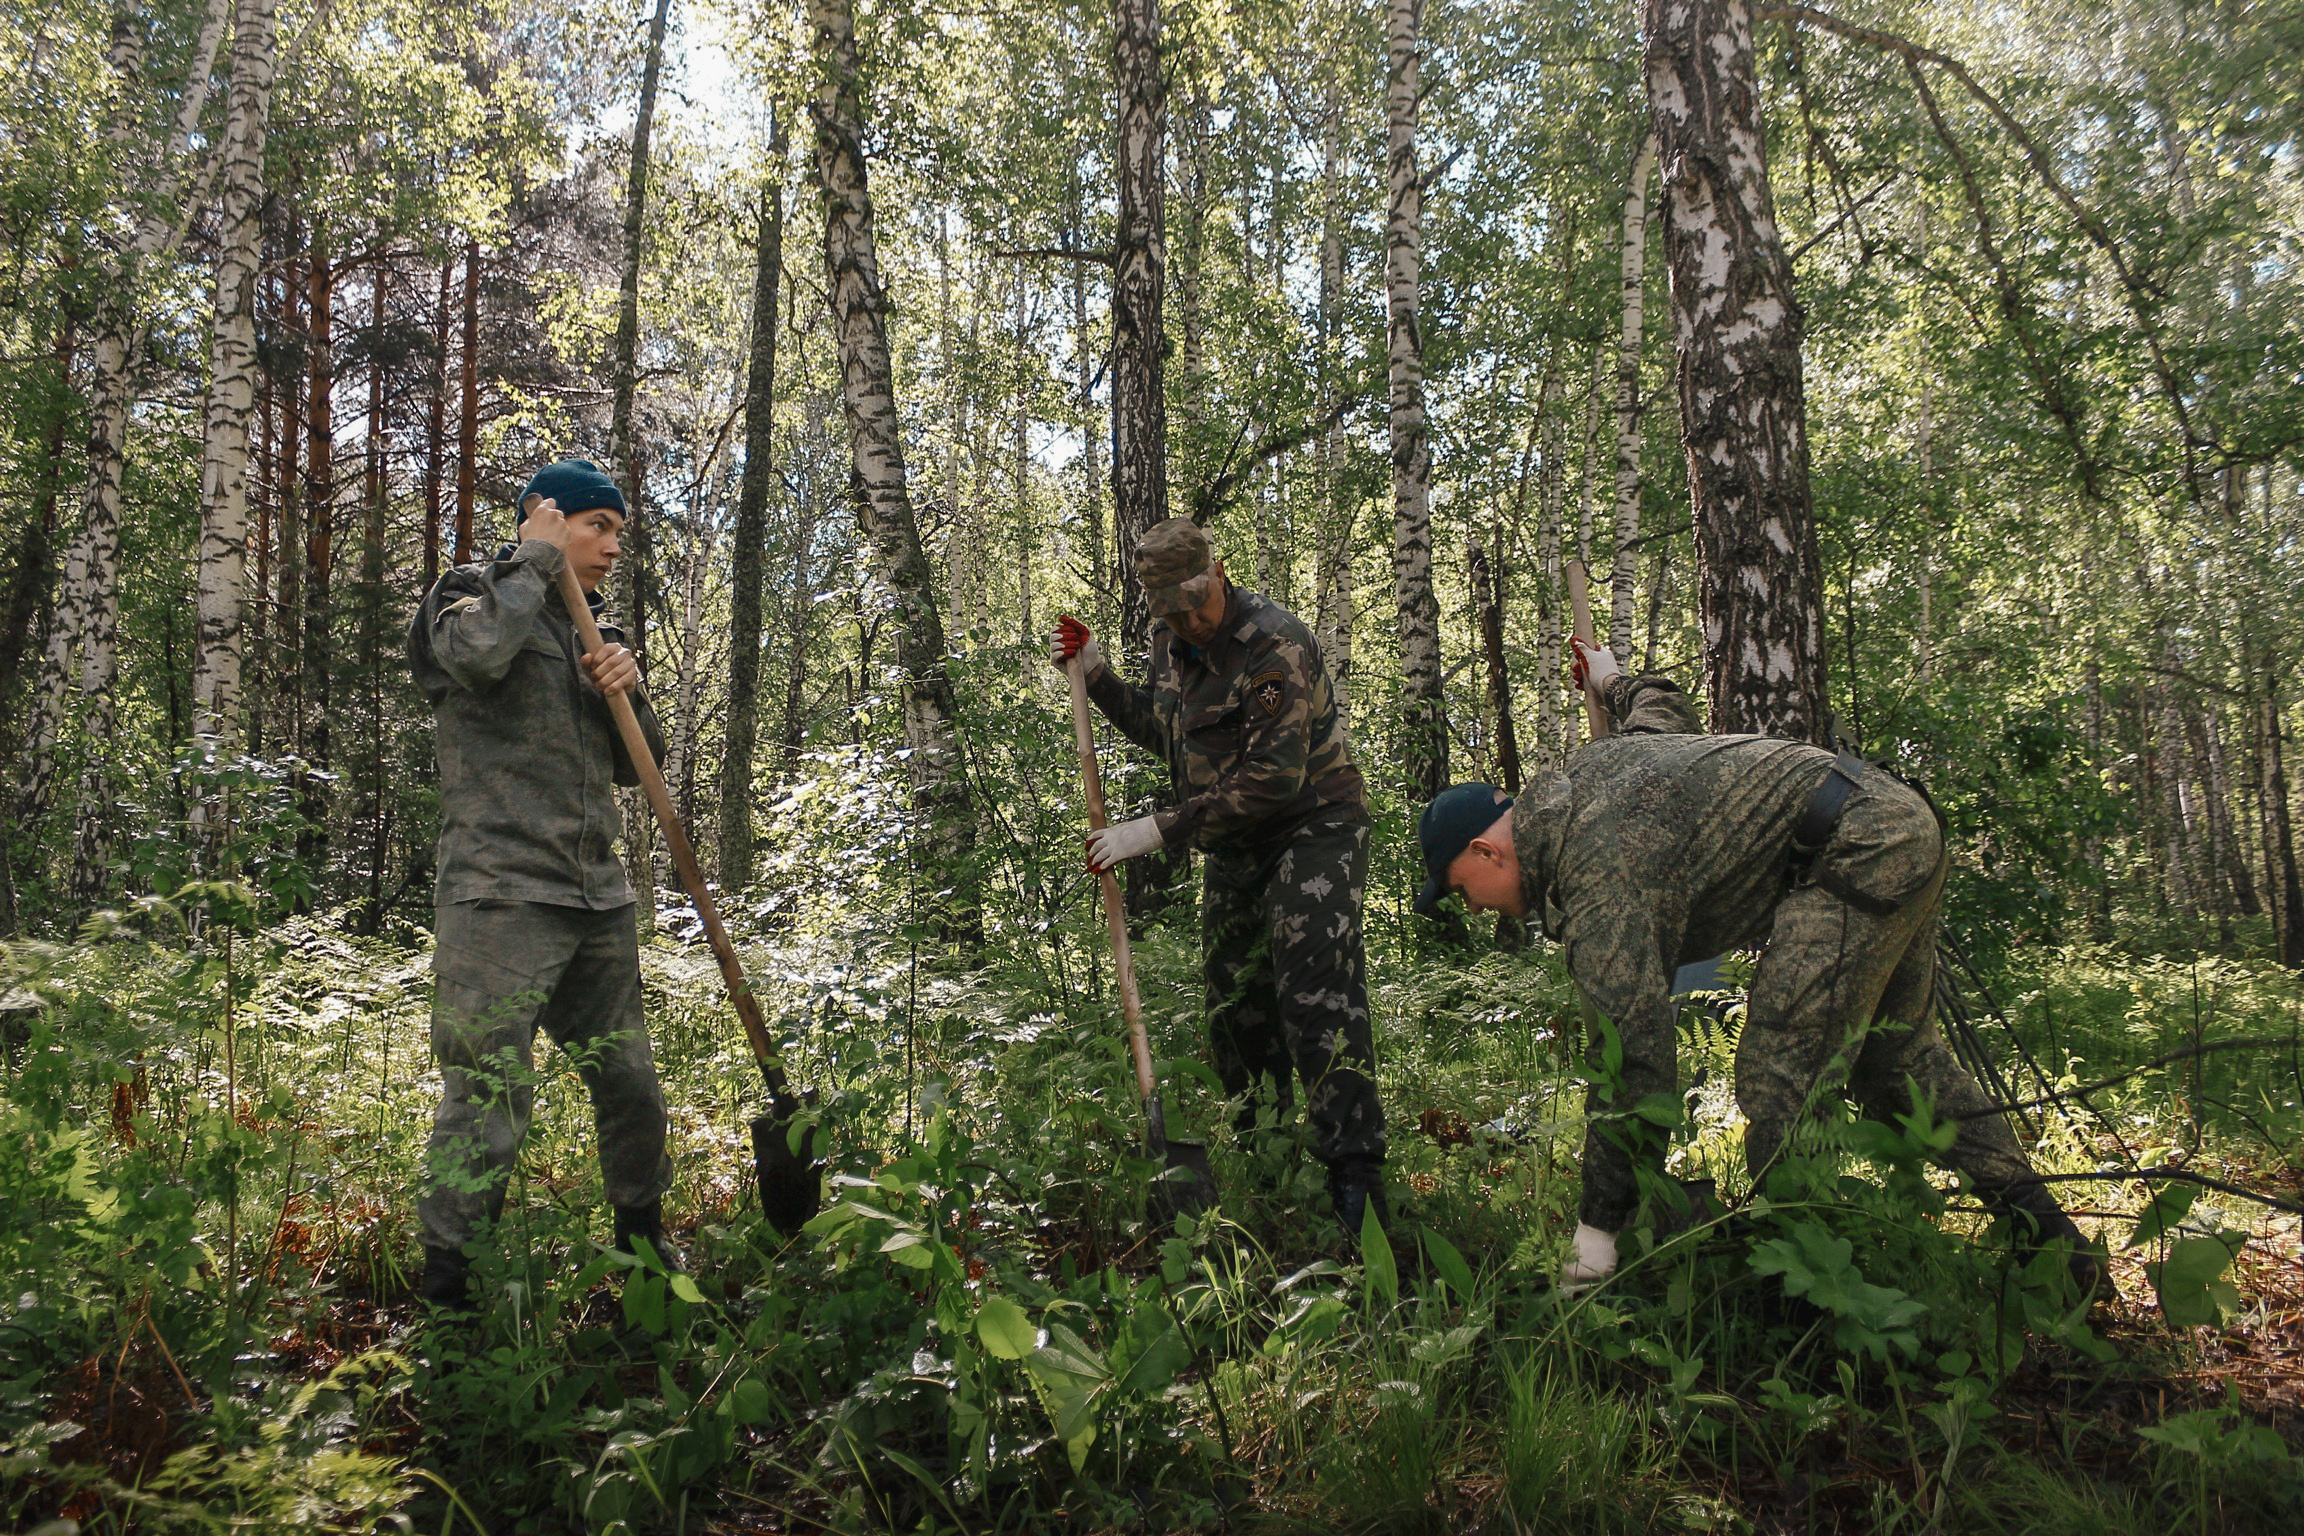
(898, 566)
(1624, 570)
(1736, 333)
(1139, 279)
(232, 379)
(1425, 747)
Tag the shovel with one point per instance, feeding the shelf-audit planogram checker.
(791, 1183)
(1187, 1185)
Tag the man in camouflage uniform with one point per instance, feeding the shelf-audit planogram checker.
(1238, 702)
(1659, 845)
(533, 916)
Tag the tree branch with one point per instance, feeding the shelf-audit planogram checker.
(1060, 253)
(1214, 496)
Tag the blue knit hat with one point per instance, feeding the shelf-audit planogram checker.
(574, 485)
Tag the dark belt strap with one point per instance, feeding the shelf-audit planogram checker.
(1824, 809)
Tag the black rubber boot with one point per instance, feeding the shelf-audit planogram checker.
(647, 1221)
(447, 1280)
(1352, 1184)
(2039, 1220)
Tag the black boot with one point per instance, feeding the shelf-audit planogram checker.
(1352, 1183)
(647, 1221)
(2038, 1219)
(448, 1280)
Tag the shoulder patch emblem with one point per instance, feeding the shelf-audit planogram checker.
(1270, 691)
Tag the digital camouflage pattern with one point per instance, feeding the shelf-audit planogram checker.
(504, 970)
(1255, 746)
(1248, 727)
(1658, 846)
(529, 757)
(1287, 979)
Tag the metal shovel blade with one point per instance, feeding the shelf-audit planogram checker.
(1187, 1184)
(791, 1183)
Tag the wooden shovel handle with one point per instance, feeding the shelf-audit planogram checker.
(1115, 915)
(1580, 626)
(683, 853)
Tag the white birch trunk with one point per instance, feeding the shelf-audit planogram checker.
(1426, 745)
(1551, 490)
(232, 381)
(884, 516)
(1624, 570)
(1332, 550)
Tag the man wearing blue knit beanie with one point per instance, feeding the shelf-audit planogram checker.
(533, 915)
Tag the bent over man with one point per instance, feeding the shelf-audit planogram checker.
(533, 916)
(1238, 702)
(1659, 845)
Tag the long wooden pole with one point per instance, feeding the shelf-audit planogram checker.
(683, 854)
(1115, 914)
(1580, 620)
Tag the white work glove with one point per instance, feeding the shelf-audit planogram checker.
(1071, 638)
(1593, 1261)
(1121, 842)
(1593, 668)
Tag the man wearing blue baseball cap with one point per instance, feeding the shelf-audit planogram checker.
(1658, 845)
(534, 918)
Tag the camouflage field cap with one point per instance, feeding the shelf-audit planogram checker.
(1174, 563)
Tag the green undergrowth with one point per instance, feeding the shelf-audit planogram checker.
(212, 1129)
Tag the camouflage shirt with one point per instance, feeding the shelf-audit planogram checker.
(1248, 726)
(529, 756)
(1658, 845)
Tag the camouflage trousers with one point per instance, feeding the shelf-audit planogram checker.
(1842, 1004)
(504, 970)
(1287, 978)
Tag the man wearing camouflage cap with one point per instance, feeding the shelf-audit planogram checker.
(1237, 700)
(1659, 845)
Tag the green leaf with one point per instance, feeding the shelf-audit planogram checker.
(1158, 1351)
(2170, 1204)
(1454, 1272)
(685, 1288)
(748, 1400)
(2190, 1279)
(1382, 1271)
(1006, 1331)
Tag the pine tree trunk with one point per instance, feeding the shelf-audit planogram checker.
(1632, 262)
(288, 604)
(1139, 277)
(1335, 607)
(1737, 333)
(747, 573)
(468, 407)
(371, 614)
(1490, 616)
(232, 381)
(436, 432)
(624, 359)
(896, 563)
(316, 697)
(1424, 747)
(2279, 831)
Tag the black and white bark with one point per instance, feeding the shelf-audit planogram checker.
(1139, 281)
(897, 566)
(1737, 333)
(1632, 262)
(232, 380)
(1425, 729)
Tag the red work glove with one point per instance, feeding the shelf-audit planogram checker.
(1592, 666)
(1070, 639)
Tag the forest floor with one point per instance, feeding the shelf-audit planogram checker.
(982, 1334)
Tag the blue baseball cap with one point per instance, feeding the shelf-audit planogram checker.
(1455, 817)
(573, 485)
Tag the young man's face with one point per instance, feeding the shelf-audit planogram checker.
(1487, 873)
(1197, 626)
(592, 545)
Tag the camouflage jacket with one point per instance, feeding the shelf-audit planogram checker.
(529, 757)
(1658, 845)
(1248, 726)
